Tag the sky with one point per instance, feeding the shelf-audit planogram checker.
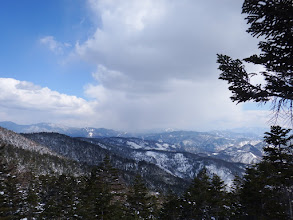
(131, 65)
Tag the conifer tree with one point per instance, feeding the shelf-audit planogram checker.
(65, 196)
(102, 194)
(31, 196)
(50, 194)
(266, 191)
(267, 186)
(10, 197)
(141, 204)
(195, 200)
(32, 202)
(171, 208)
(95, 198)
(235, 210)
(59, 197)
(110, 177)
(113, 189)
(279, 150)
(252, 197)
(273, 21)
(279, 158)
(206, 198)
(218, 198)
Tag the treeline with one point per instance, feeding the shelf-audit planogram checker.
(264, 192)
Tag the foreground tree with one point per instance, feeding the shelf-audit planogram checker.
(279, 159)
(267, 188)
(171, 208)
(141, 204)
(206, 198)
(273, 21)
(101, 195)
(279, 150)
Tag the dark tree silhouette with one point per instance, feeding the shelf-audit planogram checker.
(266, 191)
(272, 20)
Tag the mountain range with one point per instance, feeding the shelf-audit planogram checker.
(103, 132)
(166, 160)
(70, 131)
(227, 145)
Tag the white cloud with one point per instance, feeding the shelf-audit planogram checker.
(156, 63)
(131, 14)
(53, 45)
(207, 108)
(156, 68)
(158, 40)
(25, 102)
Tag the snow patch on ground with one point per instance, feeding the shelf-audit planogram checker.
(162, 146)
(158, 159)
(133, 145)
(247, 158)
(251, 142)
(183, 164)
(223, 173)
(187, 142)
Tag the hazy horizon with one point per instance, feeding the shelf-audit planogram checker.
(255, 130)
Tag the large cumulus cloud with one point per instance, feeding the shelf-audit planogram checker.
(158, 40)
(155, 68)
(156, 63)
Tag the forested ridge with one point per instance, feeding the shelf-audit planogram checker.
(265, 192)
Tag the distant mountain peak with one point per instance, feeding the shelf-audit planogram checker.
(169, 130)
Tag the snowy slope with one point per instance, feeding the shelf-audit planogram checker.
(17, 140)
(187, 166)
(226, 145)
(180, 164)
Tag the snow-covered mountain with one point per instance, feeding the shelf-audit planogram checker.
(17, 140)
(70, 131)
(56, 154)
(135, 143)
(27, 155)
(161, 164)
(173, 154)
(227, 145)
(224, 145)
(93, 154)
(247, 154)
(168, 157)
